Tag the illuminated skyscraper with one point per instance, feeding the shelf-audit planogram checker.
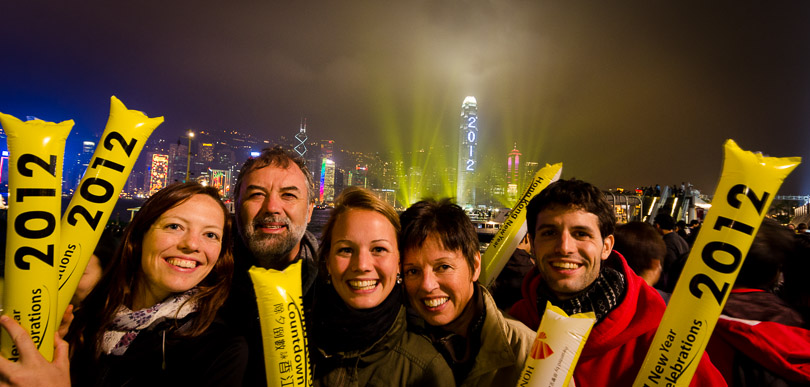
(3, 162)
(301, 147)
(3, 168)
(359, 177)
(512, 175)
(206, 154)
(327, 149)
(158, 177)
(327, 191)
(529, 169)
(75, 167)
(467, 153)
(512, 166)
(178, 160)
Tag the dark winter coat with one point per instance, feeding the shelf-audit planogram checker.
(506, 289)
(241, 311)
(159, 356)
(677, 252)
(399, 358)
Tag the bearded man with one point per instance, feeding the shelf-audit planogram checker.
(274, 203)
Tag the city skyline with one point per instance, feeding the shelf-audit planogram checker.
(217, 157)
(410, 182)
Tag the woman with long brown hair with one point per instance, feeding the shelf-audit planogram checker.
(152, 317)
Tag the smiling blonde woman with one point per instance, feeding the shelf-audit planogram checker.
(359, 327)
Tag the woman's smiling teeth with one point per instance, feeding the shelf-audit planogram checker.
(564, 265)
(184, 263)
(434, 302)
(362, 284)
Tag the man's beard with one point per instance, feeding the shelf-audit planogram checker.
(272, 251)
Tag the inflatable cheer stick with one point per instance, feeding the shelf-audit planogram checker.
(560, 339)
(36, 154)
(93, 202)
(511, 231)
(746, 189)
(281, 316)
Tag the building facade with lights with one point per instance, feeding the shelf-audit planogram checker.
(529, 169)
(159, 173)
(74, 171)
(359, 176)
(512, 174)
(467, 153)
(3, 162)
(327, 188)
(221, 180)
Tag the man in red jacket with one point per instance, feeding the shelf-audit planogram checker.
(571, 229)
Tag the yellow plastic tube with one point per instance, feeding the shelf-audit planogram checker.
(281, 316)
(555, 351)
(746, 189)
(36, 153)
(506, 239)
(92, 203)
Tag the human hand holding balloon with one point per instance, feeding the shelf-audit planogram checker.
(33, 369)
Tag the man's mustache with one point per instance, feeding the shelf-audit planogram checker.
(271, 219)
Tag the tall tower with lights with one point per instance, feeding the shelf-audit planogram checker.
(513, 175)
(467, 153)
(301, 148)
(512, 166)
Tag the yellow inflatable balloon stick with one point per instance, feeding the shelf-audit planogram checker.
(36, 153)
(281, 316)
(92, 203)
(510, 233)
(744, 193)
(555, 351)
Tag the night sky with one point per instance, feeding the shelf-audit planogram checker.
(624, 95)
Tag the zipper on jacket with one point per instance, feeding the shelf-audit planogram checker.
(163, 350)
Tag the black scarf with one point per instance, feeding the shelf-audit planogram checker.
(459, 350)
(602, 296)
(340, 328)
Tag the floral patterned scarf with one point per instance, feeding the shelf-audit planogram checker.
(127, 323)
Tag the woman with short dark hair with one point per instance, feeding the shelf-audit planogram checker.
(441, 265)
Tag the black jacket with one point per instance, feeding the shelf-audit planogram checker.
(217, 357)
(241, 312)
(399, 358)
(677, 252)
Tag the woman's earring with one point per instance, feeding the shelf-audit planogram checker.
(399, 278)
(328, 279)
